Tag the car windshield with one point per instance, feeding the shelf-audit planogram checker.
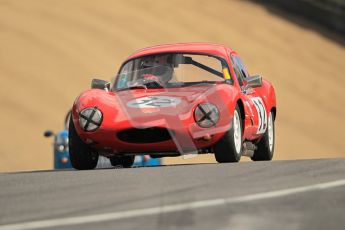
(170, 70)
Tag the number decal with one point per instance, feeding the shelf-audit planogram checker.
(154, 102)
(260, 108)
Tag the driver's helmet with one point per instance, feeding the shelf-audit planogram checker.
(158, 68)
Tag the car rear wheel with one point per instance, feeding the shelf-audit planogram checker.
(265, 147)
(122, 161)
(229, 147)
(81, 155)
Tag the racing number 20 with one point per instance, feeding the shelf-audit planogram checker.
(260, 108)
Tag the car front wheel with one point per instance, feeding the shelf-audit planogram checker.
(229, 147)
(81, 155)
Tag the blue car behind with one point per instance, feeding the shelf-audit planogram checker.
(61, 155)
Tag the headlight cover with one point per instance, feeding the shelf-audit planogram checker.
(206, 115)
(90, 119)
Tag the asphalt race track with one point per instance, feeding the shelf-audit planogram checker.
(303, 194)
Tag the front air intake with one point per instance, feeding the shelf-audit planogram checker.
(147, 135)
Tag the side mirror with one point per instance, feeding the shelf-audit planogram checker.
(48, 133)
(254, 81)
(100, 84)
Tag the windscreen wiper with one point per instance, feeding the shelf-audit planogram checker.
(200, 83)
(133, 87)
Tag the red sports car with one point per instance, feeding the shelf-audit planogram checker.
(172, 100)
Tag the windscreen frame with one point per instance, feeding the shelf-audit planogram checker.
(221, 59)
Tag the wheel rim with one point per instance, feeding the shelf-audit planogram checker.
(237, 132)
(270, 132)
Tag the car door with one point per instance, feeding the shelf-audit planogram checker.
(255, 110)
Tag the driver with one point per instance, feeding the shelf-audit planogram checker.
(159, 69)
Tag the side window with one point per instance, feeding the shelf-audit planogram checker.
(122, 79)
(243, 68)
(240, 74)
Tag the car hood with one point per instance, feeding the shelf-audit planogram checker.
(141, 107)
(152, 107)
(172, 100)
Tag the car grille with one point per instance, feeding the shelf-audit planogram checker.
(147, 135)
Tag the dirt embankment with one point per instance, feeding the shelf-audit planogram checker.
(50, 50)
(325, 15)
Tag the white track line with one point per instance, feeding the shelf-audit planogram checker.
(168, 208)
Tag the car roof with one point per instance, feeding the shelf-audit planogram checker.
(195, 47)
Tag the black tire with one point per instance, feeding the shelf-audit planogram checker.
(264, 152)
(81, 155)
(225, 149)
(122, 161)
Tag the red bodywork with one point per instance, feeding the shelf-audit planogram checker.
(178, 120)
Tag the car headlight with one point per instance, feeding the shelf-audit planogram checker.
(62, 148)
(61, 143)
(90, 119)
(206, 115)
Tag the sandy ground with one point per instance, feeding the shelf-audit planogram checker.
(50, 50)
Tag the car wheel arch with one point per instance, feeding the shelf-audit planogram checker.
(241, 107)
(274, 112)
